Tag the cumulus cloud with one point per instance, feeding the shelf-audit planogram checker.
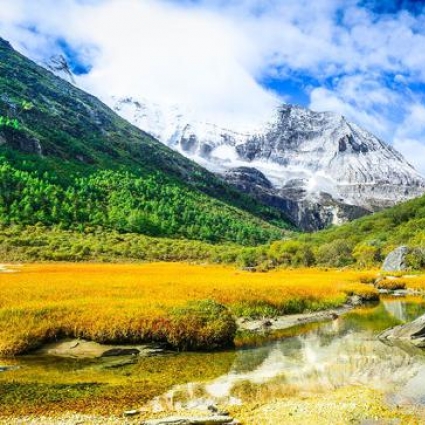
(410, 134)
(213, 55)
(152, 49)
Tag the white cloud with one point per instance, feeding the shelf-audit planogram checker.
(413, 151)
(410, 135)
(168, 54)
(153, 49)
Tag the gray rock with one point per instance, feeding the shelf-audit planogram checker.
(7, 368)
(305, 214)
(179, 420)
(413, 332)
(396, 260)
(130, 413)
(355, 300)
(115, 352)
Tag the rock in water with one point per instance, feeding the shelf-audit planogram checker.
(413, 332)
(396, 260)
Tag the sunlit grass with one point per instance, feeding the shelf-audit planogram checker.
(149, 302)
(414, 282)
(392, 284)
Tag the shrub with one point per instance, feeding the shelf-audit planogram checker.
(335, 254)
(201, 325)
(416, 258)
(391, 284)
(366, 255)
(368, 278)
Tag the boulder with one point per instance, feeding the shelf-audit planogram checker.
(396, 260)
(413, 332)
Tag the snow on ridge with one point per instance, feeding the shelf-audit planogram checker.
(321, 149)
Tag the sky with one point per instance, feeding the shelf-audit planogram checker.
(233, 61)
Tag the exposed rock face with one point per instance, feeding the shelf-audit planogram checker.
(396, 260)
(20, 141)
(413, 332)
(307, 214)
(315, 166)
(60, 67)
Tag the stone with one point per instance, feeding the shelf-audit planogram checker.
(179, 420)
(267, 324)
(7, 368)
(115, 352)
(130, 413)
(79, 348)
(413, 332)
(396, 260)
(355, 300)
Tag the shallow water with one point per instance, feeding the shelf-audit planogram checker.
(320, 358)
(315, 358)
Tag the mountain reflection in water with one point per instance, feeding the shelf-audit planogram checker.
(335, 354)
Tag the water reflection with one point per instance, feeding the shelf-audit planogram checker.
(396, 309)
(339, 353)
(404, 310)
(306, 359)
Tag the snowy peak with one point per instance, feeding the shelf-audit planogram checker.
(308, 157)
(316, 166)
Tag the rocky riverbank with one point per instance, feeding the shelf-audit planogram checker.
(351, 405)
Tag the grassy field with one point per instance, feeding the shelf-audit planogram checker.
(176, 303)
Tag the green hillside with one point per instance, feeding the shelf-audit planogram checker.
(363, 242)
(67, 160)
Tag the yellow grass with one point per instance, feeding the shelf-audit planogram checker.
(417, 282)
(402, 281)
(128, 303)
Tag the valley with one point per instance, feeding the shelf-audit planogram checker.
(168, 265)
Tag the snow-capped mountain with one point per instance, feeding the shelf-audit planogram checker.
(316, 166)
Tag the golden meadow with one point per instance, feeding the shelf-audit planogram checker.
(174, 303)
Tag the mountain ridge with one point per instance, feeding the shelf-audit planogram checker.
(67, 159)
(322, 169)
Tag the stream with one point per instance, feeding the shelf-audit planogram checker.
(313, 358)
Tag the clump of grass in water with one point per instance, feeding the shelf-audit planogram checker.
(201, 325)
(391, 284)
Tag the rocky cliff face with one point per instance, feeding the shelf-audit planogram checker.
(316, 166)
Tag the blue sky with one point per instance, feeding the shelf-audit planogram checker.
(233, 60)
